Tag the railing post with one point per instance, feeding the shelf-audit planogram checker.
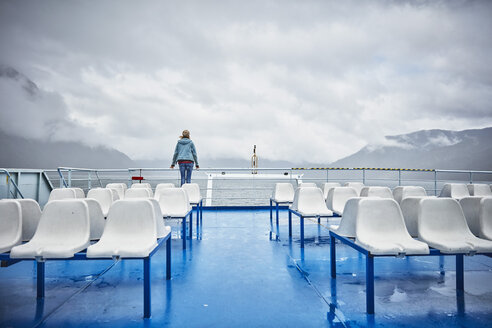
(70, 178)
(89, 185)
(364, 176)
(435, 182)
(399, 177)
(471, 179)
(209, 190)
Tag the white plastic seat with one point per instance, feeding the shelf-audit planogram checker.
(356, 185)
(479, 189)
(96, 218)
(193, 191)
(31, 213)
(309, 202)
(161, 229)
(79, 193)
(442, 225)
(327, 186)
(119, 187)
(454, 190)
(138, 193)
(381, 230)
(401, 192)
(115, 194)
(485, 218)
(174, 203)
(142, 185)
(471, 209)
(346, 227)
(410, 209)
(160, 187)
(338, 197)
(307, 184)
(381, 192)
(130, 231)
(63, 230)
(104, 196)
(283, 193)
(62, 193)
(10, 224)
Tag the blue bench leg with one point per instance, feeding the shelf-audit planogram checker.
(201, 212)
(191, 224)
(276, 221)
(333, 263)
(147, 310)
(183, 232)
(40, 279)
(460, 272)
(290, 224)
(197, 219)
(302, 232)
(168, 258)
(271, 215)
(369, 284)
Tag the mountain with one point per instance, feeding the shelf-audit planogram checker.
(433, 149)
(17, 152)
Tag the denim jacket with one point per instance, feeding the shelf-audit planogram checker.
(185, 151)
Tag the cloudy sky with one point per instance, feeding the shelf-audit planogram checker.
(310, 80)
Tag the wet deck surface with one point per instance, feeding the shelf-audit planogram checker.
(236, 276)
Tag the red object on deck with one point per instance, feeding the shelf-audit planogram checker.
(137, 178)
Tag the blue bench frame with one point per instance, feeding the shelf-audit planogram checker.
(82, 256)
(302, 222)
(277, 207)
(183, 225)
(370, 265)
(199, 214)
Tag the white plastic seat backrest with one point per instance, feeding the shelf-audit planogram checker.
(349, 216)
(356, 185)
(115, 194)
(485, 218)
(193, 191)
(442, 219)
(119, 187)
(79, 193)
(378, 220)
(62, 193)
(174, 201)
(401, 192)
(130, 221)
(283, 193)
(63, 222)
(162, 186)
(31, 213)
(160, 227)
(138, 193)
(338, 197)
(471, 210)
(96, 218)
(327, 186)
(454, 190)
(381, 192)
(310, 200)
(142, 185)
(104, 196)
(307, 184)
(10, 224)
(479, 189)
(410, 209)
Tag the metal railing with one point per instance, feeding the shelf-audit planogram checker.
(245, 186)
(11, 181)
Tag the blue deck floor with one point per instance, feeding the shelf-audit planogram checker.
(235, 276)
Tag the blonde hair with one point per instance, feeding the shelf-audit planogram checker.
(185, 134)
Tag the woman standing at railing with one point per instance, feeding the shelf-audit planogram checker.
(185, 155)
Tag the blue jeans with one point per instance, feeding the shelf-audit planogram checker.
(185, 169)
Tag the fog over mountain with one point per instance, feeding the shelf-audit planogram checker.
(434, 149)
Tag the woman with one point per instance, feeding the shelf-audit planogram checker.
(185, 155)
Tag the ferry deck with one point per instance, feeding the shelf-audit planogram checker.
(238, 270)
